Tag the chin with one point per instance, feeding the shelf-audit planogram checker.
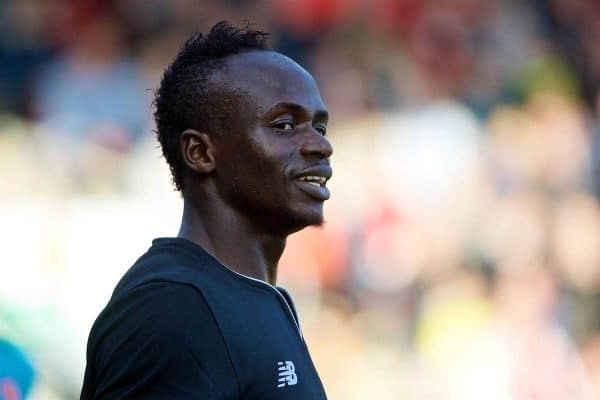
(284, 221)
(315, 221)
(299, 220)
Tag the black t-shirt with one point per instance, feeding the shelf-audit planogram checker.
(180, 325)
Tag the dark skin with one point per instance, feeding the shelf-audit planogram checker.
(247, 189)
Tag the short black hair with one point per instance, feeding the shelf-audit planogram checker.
(185, 99)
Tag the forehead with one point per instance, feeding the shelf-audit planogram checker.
(269, 78)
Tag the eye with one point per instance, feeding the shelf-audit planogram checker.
(322, 129)
(284, 126)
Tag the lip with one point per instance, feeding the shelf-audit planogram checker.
(321, 192)
(316, 192)
(320, 170)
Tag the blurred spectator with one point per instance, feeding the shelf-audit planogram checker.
(25, 45)
(94, 92)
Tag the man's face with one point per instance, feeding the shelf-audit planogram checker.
(274, 169)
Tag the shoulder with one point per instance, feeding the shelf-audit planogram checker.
(172, 315)
(168, 260)
(161, 330)
(173, 312)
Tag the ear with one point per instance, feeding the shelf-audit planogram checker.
(198, 151)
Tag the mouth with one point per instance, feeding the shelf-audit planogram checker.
(313, 182)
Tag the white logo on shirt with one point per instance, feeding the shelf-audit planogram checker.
(287, 374)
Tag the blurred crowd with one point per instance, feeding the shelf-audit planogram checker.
(461, 254)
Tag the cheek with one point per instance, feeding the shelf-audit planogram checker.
(259, 167)
(270, 157)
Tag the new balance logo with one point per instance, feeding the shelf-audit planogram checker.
(287, 374)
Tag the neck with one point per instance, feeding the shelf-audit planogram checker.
(232, 239)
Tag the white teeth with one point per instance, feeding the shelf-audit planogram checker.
(313, 179)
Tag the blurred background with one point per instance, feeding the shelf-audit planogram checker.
(461, 254)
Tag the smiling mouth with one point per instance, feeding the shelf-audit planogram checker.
(313, 180)
(314, 186)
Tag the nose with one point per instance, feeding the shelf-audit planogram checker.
(316, 145)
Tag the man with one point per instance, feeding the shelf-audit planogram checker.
(198, 316)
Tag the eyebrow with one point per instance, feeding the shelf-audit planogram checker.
(296, 108)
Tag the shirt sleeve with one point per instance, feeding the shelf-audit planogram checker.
(160, 341)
